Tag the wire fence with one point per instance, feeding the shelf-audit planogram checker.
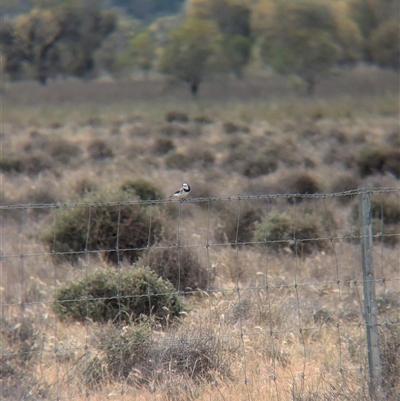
(278, 296)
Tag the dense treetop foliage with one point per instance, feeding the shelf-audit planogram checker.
(193, 39)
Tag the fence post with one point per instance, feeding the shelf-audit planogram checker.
(370, 305)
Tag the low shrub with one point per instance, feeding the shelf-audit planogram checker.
(9, 164)
(134, 356)
(238, 155)
(259, 166)
(233, 128)
(58, 148)
(176, 115)
(181, 267)
(178, 160)
(378, 159)
(203, 119)
(162, 146)
(298, 233)
(393, 139)
(345, 182)
(339, 154)
(117, 295)
(285, 151)
(99, 149)
(231, 229)
(84, 185)
(44, 192)
(37, 162)
(302, 183)
(175, 129)
(143, 189)
(72, 232)
(385, 213)
(202, 156)
(384, 207)
(390, 355)
(21, 345)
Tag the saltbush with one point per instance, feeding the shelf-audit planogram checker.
(378, 159)
(133, 355)
(118, 295)
(233, 128)
(143, 189)
(10, 164)
(385, 213)
(231, 229)
(99, 149)
(176, 115)
(182, 268)
(259, 166)
(384, 207)
(73, 230)
(178, 160)
(175, 129)
(301, 233)
(163, 145)
(302, 183)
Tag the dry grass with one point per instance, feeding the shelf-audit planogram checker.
(264, 323)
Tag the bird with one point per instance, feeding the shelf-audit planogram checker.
(182, 192)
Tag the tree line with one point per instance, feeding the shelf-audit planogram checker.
(307, 38)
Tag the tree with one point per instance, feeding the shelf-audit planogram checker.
(189, 55)
(148, 9)
(237, 52)
(143, 51)
(385, 46)
(300, 40)
(369, 15)
(232, 18)
(30, 41)
(347, 33)
(60, 40)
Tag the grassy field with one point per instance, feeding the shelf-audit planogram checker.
(268, 319)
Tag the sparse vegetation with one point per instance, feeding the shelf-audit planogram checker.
(244, 303)
(131, 355)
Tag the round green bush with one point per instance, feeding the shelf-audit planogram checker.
(116, 295)
(74, 231)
